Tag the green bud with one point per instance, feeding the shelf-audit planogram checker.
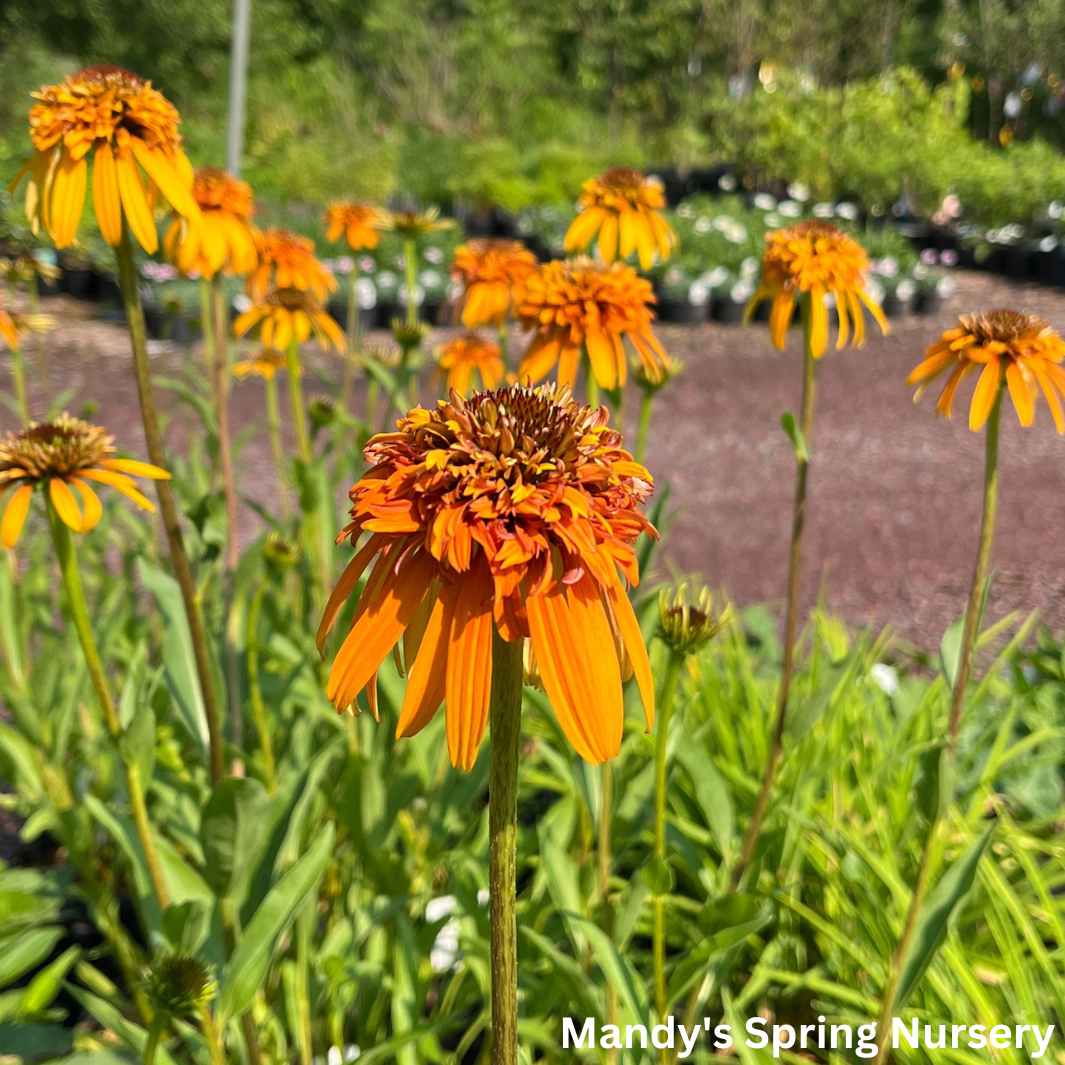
(280, 552)
(180, 984)
(685, 619)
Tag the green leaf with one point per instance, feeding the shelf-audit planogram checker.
(20, 953)
(231, 833)
(794, 433)
(935, 781)
(935, 914)
(711, 793)
(186, 925)
(137, 745)
(133, 1035)
(179, 662)
(617, 972)
(248, 966)
(658, 876)
(44, 987)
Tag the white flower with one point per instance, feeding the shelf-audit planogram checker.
(727, 183)
(773, 220)
(434, 255)
(674, 275)
(404, 294)
(439, 908)
(790, 208)
(887, 267)
(749, 268)
(345, 264)
(741, 292)
(698, 293)
(242, 303)
(905, 289)
(765, 202)
(886, 678)
(367, 264)
(847, 211)
(798, 191)
(685, 210)
(430, 279)
(1054, 210)
(703, 224)
(946, 287)
(386, 279)
(875, 291)
(444, 954)
(482, 897)
(334, 1057)
(823, 210)
(365, 293)
(712, 278)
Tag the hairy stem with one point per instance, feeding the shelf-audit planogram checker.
(258, 707)
(647, 401)
(273, 423)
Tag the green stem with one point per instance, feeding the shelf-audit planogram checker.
(168, 508)
(295, 392)
(410, 255)
(606, 813)
(646, 403)
(354, 343)
(665, 713)
(505, 723)
(592, 387)
(972, 619)
(207, 325)
(258, 707)
(79, 616)
(502, 331)
(18, 373)
(273, 422)
(155, 1031)
(40, 348)
(776, 746)
(304, 930)
(212, 1036)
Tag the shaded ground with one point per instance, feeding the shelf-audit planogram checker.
(894, 500)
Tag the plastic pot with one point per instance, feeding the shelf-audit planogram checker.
(683, 312)
(893, 307)
(727, 311)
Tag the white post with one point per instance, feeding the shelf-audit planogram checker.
(238, 84)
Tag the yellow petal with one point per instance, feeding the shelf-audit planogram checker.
(15, 516)
(65, 504)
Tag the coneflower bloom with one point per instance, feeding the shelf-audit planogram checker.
(492, 273)
(129, 127)
(413, 224)
(287, 260)
(514, 508)
(815, 258)
(464, 356)
(264, 364)
(580, 303)
(226, 239)
(63, 455)
(287, 314)
(1020, 347)
(358, 223)
(623, 207)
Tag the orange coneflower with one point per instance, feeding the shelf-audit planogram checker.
(264, 364)
(287, 260)
(60, 454)
(581, 302)
(514, 508)
(622, 206)
(226, 240)
(129, 127)
(287, 314)
(1021, 347)
(817, 259)
(467, 355)
(359, 223)
(493, 274)
(8, 329)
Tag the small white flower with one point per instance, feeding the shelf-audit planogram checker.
(905, 289)
(765, 202)
(439, 908)
(367, 264)
(885, 677)
(749, 268)
(365, 293)
(946, 287)
(847, 211)
(434, 255)
(445, 950)
(685, 210)
(714, 278)
(345, 264)
(404, 293)
(741, 292)
(727, 183)
(790, 208)
(823, 210)
(703, 224)
(482, 897)
(430, 279)
(386, 279)
(698, 293)
(242, 303)
(773, 220)
(334, 1057)
(798, 191)
(1055, 209)
(887, 267)
(352, 1052)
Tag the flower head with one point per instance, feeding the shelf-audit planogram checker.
(128, 127)
(514, 508)
(287, 314)
(359, 223)
(652, 379)
(226, 239)
(413, 224)
(180, 984)
(623, 207)
(817, 259)
(61, 454)
(686, 622)
(580, 302)
(264, 364)
(287, 260)
(1011, 344)
(409, 335)
(493, 274)
(467, 355)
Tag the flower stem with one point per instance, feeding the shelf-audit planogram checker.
(157, 455)
(665, 712)
(273, 422)
(295, 392)
(606, 813)
(155, 1031)
(40, 348)
(229, 484)
(505, 722)
(972, 618)
(802, 465)
(18, 374)
(354, 343)
(410, 255)
(207, 325)
(502, 331)
(212, 1036)
(646, 403)
(258, 708)
(79, 616)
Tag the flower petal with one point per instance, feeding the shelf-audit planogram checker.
(15, 515)
(106, 199)
(65, 504)
(427, 684)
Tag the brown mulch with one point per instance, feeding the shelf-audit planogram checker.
(894, 501)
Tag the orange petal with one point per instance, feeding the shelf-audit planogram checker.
(427, 685)
(15, 515)
(1020, 393)
(105, 195)
(93, 509)
(135, 202)
(633, 637)
(346, 585)
(984, 396)
(469, 666)
(68, 199)
(137, 469)
(65, 504)
(378, 629)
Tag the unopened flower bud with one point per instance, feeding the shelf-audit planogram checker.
(686, 622)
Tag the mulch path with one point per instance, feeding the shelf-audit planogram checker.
(894, 500)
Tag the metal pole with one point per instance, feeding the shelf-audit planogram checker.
(238, 84)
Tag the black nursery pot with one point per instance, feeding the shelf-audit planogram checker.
(929, 303)
(80, 282)
(683, 312)
(108, 289)
(727, 311)
(1017, 263)
(893, 307)
(338, 311)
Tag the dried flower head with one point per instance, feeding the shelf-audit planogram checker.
(686, 622)
(383, 353)
(492, 273)
(65, 454)
(465, 356)
(287, 315)
(409, 334)
(623, 207)
(1011, 346)
(580, 303)
(129, 127)
(514, 508)
(413, 224)
(281, 552)
(180, 985)
(815, 258)
(358, 223)
(322, 412)
(264, 364)
(226, 239)
(287, 260)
